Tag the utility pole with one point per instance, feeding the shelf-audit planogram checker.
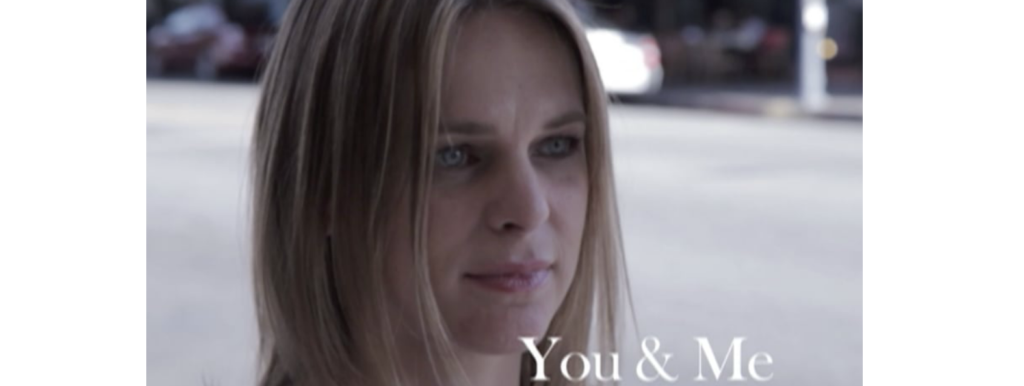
(812, 78)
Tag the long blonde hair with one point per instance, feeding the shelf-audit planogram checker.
(349, 110)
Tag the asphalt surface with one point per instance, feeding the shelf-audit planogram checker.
(734, 225)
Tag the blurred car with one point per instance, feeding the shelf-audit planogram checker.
(629, 62)
(199, 38)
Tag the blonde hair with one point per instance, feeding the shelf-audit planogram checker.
(350, 108)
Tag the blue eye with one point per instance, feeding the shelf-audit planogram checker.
(558, 146)
(452, 157)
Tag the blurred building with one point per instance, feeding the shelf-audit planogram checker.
(702, 42)
(246, 12)
(210, 39)
(740, 41)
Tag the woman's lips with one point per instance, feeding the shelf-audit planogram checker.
(511, 282)
(512, 277)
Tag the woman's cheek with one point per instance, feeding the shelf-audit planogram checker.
(569, 181)
(569, 210)
(449, 225)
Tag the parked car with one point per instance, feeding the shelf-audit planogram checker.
(629, 62)
(199, 38)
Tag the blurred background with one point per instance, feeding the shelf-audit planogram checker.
(737, 141)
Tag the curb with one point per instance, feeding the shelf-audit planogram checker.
(848, 108)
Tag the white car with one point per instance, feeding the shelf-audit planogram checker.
(629, 62)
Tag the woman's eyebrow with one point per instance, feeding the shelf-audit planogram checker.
(566, 118)
(467, 128)
(476, 128)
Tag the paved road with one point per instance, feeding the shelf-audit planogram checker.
(734, 226)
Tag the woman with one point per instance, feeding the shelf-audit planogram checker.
(432, 182)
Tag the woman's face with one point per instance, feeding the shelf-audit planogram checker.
(509, 196)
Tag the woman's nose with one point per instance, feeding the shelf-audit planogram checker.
(519, 201)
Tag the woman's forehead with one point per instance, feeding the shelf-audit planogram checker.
(507, 64)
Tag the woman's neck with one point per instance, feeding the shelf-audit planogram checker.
(480, 369)
(492, 370)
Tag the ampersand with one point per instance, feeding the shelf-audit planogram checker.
(649, 356)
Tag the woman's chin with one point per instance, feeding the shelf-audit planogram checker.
(497, 333)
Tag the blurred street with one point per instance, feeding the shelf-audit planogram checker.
(734, 225)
